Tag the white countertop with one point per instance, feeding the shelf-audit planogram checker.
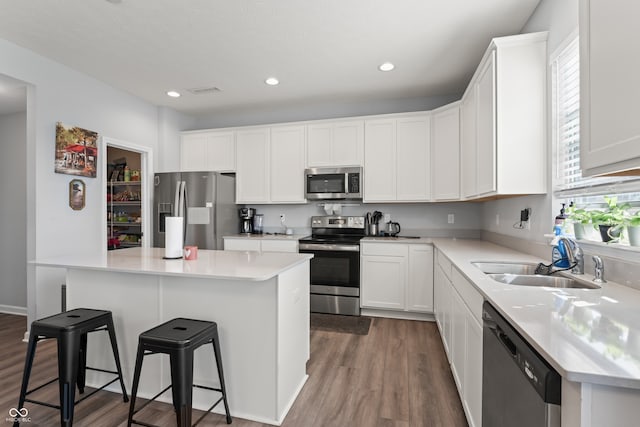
(398, 239)
(235, 265)
(266, 236)
(587, 335)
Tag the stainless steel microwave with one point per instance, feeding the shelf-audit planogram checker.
(333, 183)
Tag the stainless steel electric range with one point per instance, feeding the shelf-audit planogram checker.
(335, 267)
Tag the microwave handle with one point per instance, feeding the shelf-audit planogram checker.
(346, 183)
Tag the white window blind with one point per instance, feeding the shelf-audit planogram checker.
(568, 180)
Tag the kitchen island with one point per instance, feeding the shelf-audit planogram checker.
(260, 302)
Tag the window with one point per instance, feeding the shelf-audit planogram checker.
(569, 185)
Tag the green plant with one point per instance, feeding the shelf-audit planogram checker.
(581, 216)
(614, 214)
(632, 219)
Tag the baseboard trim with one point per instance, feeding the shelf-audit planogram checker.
(404, 315)
(12, 309)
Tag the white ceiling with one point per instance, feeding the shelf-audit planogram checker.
(321, 50)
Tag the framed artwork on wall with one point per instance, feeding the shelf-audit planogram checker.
(77, 195)
(76, 151)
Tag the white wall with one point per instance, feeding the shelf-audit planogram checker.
(560, 18)
(170, 123)
(413, 217)
(13, 208)
(57, 93)
(316, 111)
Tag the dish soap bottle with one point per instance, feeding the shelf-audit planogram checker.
(559, 253)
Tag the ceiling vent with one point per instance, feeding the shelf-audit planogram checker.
(204, 90)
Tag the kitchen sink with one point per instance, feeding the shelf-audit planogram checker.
(544, 281)
(506, 267)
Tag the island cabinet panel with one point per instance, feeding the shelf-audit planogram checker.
(609, 87)
(262, 318)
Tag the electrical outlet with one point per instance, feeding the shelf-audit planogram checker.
(497, 219)
(451, 218)
(387, 217)
(282, 219)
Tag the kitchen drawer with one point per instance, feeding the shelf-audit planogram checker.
(241, 245)
(471, 296)
(279, 246)
(384, 249)
(444, 262)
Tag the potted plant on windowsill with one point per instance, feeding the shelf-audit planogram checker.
(611, 220)
(581, 219)
(632, 222)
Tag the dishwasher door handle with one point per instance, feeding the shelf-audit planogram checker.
(506, 342)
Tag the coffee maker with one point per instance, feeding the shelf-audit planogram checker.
(246, 220)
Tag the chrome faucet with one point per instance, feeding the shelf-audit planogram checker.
(598, 275)
(574, 254)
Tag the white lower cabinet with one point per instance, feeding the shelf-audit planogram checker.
(458, 311)
(260, 245)
(396, 276)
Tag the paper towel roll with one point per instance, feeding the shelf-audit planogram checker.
(173, 237)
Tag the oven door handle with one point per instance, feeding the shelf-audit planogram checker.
(325, 247)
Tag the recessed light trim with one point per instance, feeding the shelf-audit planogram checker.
(386, 66)
(272, 81)
(173, 94)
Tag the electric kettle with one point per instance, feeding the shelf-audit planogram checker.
(392, 229)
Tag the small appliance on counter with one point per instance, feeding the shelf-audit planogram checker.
(246, 220)
(392, 229)
(258, 223)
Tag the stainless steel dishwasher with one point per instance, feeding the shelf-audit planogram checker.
(519, 388)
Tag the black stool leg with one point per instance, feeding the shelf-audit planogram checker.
(68, 361)
(28, 363)
(216, 350)
(116, 356)
(136, 381)
(182, 385)
(82, 364)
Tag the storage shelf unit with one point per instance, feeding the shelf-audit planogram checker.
(124, 200)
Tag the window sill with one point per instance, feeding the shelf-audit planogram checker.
(612, 250)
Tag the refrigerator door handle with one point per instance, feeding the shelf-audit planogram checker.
(183, 211)
(181, 200)
(176, 200)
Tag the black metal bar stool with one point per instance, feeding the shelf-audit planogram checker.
(179, 338)
(70, 329)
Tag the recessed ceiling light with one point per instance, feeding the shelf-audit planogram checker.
(387, 66)
(173, 94)
(272, 81)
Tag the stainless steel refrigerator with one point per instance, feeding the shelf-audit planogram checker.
(206, 201)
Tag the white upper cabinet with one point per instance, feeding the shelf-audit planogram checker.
(252, 168)
(609, 87)
(396, 165)
(270, 165)
(287, 164)
(208, 151)
(445, 153)
(379, 161)
(486, 127)
(468, 150)
(504, 117)
(332, 144)
(413, 174)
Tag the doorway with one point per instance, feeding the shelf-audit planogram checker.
(127, 176)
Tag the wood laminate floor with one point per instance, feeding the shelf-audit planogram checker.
(396, 376)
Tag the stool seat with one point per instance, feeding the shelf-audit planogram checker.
(179, 338)
(180, 333)
(70, 330)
